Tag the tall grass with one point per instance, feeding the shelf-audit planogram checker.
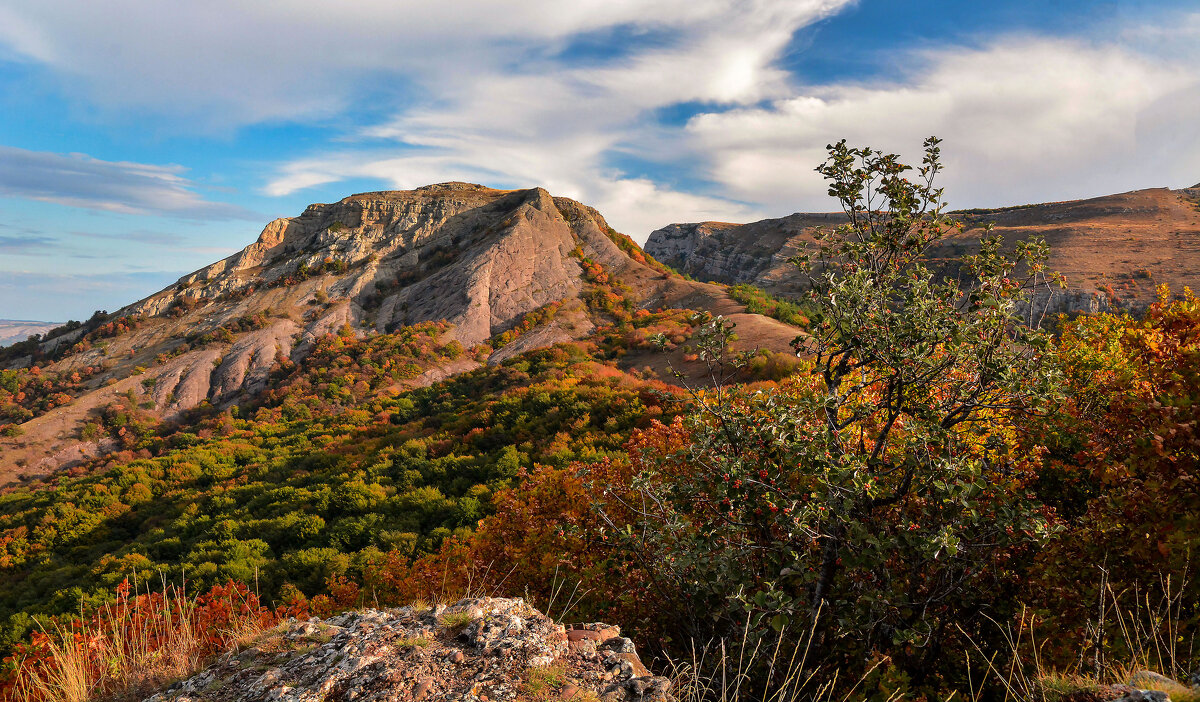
(130, 648)
(1134, 632)
(775, 670)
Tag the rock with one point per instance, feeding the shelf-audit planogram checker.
(759, 253)
(1145, 679)
(643, 689)
(1146, 696)
(405, 654)
(617, 644)
(592, 632)
(1103, 693)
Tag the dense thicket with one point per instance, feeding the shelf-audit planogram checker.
(334, 472)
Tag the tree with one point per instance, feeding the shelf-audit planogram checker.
(877, 497)
(1129, 461)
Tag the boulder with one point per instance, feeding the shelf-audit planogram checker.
(507, 650)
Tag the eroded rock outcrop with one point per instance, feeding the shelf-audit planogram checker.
(1114, 250)
(486, 649)
(475, 258)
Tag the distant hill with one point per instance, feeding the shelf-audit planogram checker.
(506, 271)
(1114, 250)
(14, 330)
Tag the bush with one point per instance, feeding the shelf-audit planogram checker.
(879, 498)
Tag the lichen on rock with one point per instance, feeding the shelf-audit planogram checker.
(477, 649)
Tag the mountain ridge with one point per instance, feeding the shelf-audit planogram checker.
(480, 260)
(1115, 249)
(14, 330)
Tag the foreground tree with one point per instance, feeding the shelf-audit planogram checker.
(876, 500)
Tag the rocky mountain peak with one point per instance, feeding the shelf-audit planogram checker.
(473, 260)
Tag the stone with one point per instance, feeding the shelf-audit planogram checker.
(1146, 696)
(362, 661)
(1145, 679)
(641, 689)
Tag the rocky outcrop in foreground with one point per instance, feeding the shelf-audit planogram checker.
(488, 649)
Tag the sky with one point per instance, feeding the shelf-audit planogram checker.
(141, 139)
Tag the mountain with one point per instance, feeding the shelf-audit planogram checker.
(14, 330)
(501, 271)
(1114, 250)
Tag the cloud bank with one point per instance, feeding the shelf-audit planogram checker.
(571, 96)
(1024, 118)
(113, 186)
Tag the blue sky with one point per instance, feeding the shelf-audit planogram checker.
(140, 140)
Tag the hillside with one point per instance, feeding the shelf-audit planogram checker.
(455, 391)
(504, 271)
(1114, 250)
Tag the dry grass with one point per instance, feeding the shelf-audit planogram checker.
(765, 672)
(543, 684)
(129, 649)
(411, 642)
(1147, 629)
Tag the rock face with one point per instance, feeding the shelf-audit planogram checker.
(476, 258)
(488, 649)
(1114, 250)
(736, 253)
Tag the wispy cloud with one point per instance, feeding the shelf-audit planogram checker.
(567, 95)
(25, 244)
(1025, 118)
(565, 126)
(140, 236)
(232, 62)
(79, 180)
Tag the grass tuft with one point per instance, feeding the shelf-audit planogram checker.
(137, 645)
(543, 684)
(455, 622)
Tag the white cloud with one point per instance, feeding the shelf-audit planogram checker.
(1024, 120)
(230, 62)
(477, 91)
(494, 101)
(114, 186)
(558, 126)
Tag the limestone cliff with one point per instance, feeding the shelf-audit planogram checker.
(1114, 250)
(476, 258)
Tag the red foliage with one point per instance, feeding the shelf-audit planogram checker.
(142, 627)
